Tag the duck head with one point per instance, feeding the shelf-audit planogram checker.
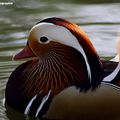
(64, 56)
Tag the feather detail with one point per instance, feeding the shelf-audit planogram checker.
(93, 59)
(55, 72)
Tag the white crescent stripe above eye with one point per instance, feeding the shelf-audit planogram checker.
(29, 105)
(62, 35)
(42, 103)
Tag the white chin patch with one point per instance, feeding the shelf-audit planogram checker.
(62, 35)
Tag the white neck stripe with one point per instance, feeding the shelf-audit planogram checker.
(42, 103)
(29, 105)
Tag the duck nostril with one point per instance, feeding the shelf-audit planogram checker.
(43, 39)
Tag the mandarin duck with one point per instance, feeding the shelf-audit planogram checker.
(63, 77)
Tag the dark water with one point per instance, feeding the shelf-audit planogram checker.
(100, 21)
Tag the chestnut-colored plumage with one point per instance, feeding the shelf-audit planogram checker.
(54, 72)
(63, 56)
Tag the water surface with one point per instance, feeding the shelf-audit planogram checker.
(100, 21)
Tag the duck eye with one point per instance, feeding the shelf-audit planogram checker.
(43, 39)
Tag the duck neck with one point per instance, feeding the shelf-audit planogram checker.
(92, 61)
(56, 72)
(92, 58)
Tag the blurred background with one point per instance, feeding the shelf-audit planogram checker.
(100, 19)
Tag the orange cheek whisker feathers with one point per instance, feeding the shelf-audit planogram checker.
(55, 72)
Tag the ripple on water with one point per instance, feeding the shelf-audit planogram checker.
(100, 21)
